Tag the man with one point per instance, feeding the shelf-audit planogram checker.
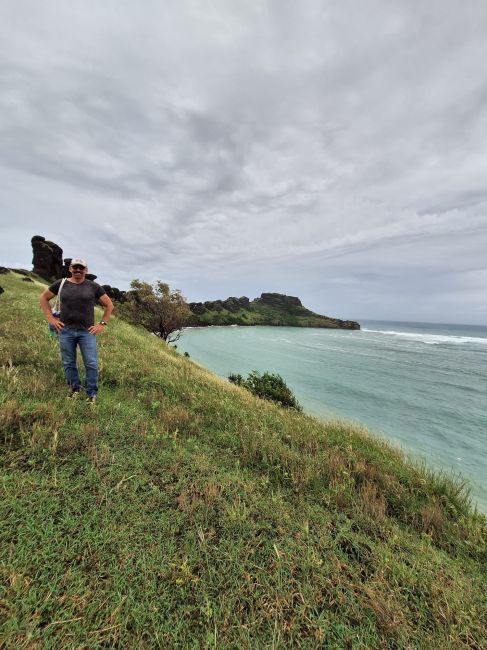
(76, 325)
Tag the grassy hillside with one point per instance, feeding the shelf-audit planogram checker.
(186, 513)
(262, 315)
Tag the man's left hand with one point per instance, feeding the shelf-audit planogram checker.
(95, 329)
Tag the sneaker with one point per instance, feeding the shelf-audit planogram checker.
(73, 394)
(91, 400)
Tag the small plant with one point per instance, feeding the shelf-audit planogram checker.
(268, 386)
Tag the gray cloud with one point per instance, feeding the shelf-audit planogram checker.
(334, 152)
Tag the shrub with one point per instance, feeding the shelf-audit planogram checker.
(269, 386)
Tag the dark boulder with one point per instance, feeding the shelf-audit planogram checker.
(113, 293)
(27, 280)
(47, 258)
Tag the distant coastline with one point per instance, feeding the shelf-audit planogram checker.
(273, 309)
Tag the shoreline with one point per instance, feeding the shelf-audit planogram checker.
(416, 437)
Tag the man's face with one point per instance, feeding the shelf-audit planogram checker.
(78, 271)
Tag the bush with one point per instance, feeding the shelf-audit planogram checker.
(268, 386)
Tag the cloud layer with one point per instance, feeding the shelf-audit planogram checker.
(333, 152)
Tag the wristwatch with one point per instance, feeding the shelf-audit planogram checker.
(103, 322)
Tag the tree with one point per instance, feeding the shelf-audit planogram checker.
(157, 308)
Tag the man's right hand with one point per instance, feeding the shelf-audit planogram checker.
(56, 323)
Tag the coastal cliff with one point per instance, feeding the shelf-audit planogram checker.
(269, 309)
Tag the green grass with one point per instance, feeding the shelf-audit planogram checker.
(261, 314)
(186, 513)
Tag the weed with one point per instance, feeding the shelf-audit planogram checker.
(371, 500)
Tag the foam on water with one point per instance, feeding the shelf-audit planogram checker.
(432, 339)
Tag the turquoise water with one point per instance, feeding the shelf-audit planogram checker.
(420, 385)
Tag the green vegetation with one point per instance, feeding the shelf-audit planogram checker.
(268, 386)
(270, 309)
(225, 317)
(186, 513)
(262, 315)
(158, 309)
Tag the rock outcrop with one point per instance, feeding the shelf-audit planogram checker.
(279, 301)
(230, 304)
(114, 294)
(47, 258)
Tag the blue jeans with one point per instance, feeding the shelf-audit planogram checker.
(68, 340)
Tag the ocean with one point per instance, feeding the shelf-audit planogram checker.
(420, 385)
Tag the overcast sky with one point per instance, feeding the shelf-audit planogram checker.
(336, 151)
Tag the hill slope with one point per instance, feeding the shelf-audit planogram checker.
(186, 513)
(269, 309)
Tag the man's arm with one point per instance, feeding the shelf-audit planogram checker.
(108, 305)
(44, 299)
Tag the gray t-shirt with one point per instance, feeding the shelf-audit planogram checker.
(78, 302)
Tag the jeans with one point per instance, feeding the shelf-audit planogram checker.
(68, 340)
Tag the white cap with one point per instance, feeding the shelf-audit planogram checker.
(79, 261)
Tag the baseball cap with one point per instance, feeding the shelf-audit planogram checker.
(79, 261)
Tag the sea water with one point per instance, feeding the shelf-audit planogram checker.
(423, 386)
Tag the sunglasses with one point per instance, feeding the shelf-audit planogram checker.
(77, 267)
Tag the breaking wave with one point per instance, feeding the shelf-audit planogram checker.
(432, 339)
